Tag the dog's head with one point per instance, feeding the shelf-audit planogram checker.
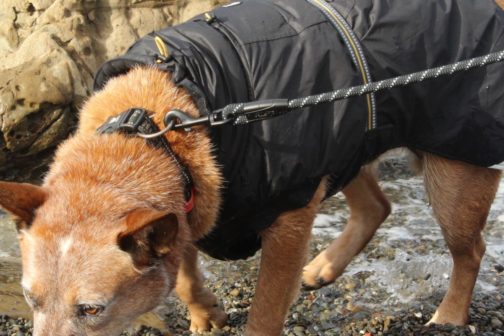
(86, 271)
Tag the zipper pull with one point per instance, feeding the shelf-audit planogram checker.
(209, 17)
(164, 53)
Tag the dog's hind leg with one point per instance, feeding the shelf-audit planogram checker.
(461, 196)
(368, 209)
(202, 304)
(284, 252)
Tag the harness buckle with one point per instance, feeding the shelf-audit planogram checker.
(133, 119)
(127, 122)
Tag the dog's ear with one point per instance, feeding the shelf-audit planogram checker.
(149, 235)
(21, 200)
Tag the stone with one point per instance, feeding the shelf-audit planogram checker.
(49, 52)
(235, 292)
(496, 323)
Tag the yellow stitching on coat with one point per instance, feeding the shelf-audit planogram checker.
(357, 55)
(161, 46)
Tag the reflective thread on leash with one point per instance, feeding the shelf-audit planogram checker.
(245, 113)
(397, 81)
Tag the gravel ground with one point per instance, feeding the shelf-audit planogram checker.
(392, 288)
(334, 310)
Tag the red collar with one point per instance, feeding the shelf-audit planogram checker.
(189, 204)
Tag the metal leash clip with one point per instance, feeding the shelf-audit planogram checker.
(175, 119)
(237, 114)
(244, 113)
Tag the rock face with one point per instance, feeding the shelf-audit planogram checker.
(49, 52)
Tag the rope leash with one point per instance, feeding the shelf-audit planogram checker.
(415, 77)
(244, 113)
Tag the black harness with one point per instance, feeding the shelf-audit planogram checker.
(137, 121)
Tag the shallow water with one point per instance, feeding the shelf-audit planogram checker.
(407, 259)
(11, 297)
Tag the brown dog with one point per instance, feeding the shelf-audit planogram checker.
(106, 236)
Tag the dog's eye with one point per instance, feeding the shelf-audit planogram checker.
(90, 310)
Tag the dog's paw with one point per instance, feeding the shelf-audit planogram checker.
(319, 272)
(206, 319)
(319, 283)
(453, 318)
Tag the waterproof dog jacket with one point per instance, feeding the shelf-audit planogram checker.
(265, 49)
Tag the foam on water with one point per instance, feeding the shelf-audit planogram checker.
(411, 215)
(410, 273)
(399, 233)
(406, 276)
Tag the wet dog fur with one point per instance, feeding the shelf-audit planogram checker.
(105, 237)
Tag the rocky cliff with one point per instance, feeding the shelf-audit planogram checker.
(49, 51)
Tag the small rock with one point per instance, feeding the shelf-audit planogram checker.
(235, 292)
(350, 286)
(299, 331)
(496, 323)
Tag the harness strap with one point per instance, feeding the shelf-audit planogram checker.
(137, 120)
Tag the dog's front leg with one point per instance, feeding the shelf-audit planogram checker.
(368, 209)
(202, 304)
(284, 251)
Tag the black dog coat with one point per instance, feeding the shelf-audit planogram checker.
(262, 49)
